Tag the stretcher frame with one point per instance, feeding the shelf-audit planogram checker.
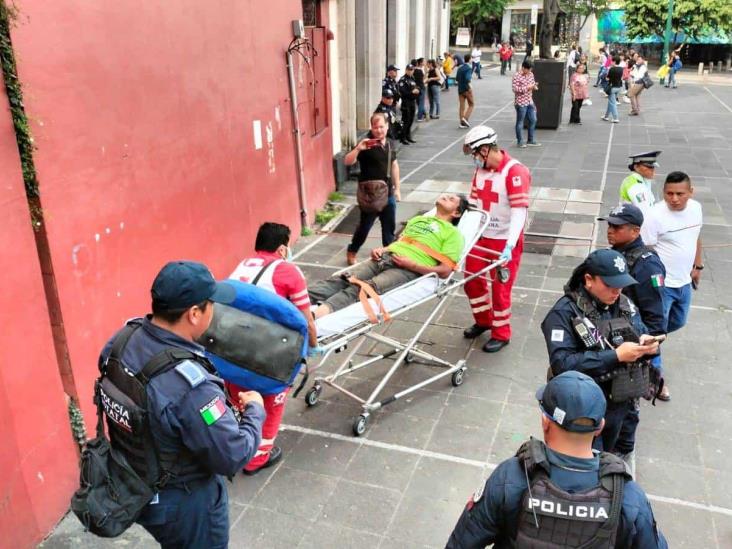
(407, 352)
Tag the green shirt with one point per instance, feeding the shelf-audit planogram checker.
(442, 236)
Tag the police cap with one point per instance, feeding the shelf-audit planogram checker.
(625, 214)
(183, 284)
(571, 396)
(611, 267)
(392, 68)
(409, 67)
(386, 92)
(647, 159)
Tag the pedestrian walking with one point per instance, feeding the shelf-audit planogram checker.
(637, 74)
(674, 66)
(475, 56)
(377, 158)
(614, 86)
(408, 91)
(603, 67)
(529, 48)
(524, 85)
(573, 60)
(673, 228)
(434, 85)
(505, 54)
(419, 75)
(579, 87)
(595, 329)
(465, 93)
(447, 65)
(558, 493)
(501, 187)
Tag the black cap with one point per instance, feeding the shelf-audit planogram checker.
(623, 215)
(571, 396)
(392, 68)
(386, 92)
(409, 67)
(648, 159)
(183, 284)
(611, 267)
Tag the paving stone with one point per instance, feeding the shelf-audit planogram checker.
(443, 481)
(675, 523)
(422, 197)
(459, 187)
(552, 194)
(579, 195)
(381, 467)
(583, 208)
(256, 528)
(326, 535)
(307, 493)
(321, 455)
(553, 206)
(434, 185)
(365, 507)
(430, 527)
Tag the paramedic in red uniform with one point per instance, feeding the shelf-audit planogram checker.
(270, 269)
(500, 187)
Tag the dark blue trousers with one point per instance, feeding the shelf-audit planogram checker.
(621, 422)
(387, 218)
(190, 516)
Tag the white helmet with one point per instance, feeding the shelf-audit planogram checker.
(479, 135)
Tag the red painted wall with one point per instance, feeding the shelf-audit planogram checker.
(143, 117)
(38, 460)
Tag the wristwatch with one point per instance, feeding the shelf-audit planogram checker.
(699, 267)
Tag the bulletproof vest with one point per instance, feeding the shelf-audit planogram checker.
(551, 517)
(632, 256)
(614, 330)
(123, 396)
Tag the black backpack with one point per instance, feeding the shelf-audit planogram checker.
(118, 480)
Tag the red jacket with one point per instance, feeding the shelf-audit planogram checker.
(505, 53)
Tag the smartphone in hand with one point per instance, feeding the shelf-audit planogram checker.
(371, 143)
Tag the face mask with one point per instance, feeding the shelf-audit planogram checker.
(478, 162)
(289, 254)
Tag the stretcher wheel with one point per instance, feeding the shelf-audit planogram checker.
(359, 425)
(409, 358)
(458, 378)
(313, 395)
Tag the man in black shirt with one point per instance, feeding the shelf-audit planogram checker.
(419, 79)
(408, 91)
(374, 155)
(614, 85)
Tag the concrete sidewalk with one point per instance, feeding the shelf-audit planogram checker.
(405, 482)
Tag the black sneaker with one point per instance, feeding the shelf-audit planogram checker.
(474, 331)
(494, 345)
(275, 454)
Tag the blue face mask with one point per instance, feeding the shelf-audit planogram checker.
(478, 162)
(289, 254)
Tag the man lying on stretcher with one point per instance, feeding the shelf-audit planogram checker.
(428, 244)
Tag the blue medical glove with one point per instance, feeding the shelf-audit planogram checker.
(506, 253)
(315, 352)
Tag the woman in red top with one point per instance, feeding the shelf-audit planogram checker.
(505, 52)
(578, 84)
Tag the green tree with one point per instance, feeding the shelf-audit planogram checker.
(469, 13)
(692, 17)
(584, 8)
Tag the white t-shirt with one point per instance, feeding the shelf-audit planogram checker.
(674, 235)
(475, 55)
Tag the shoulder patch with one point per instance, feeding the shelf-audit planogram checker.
(191, 373)
(211, 412)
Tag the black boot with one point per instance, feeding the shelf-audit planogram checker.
(474, 331)
(494, 345)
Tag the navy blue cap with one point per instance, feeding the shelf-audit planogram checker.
(623, 215)
(183, 284)
(571, 396)
(611, 267)
(392, 68)
(409, 67)
(386, 92)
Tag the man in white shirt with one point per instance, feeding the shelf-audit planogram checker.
(673, 227)
(475, 56)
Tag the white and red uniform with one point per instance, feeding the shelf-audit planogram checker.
(498, 192)
(286, 280)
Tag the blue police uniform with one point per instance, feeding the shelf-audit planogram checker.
(192, 509)
(567, 352)
(647, 295)
(493, 512)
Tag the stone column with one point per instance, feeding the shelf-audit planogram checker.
(506, 25)
(398, 29)
(346, 40)
(416, 29)
(444, 35)
(370, 23)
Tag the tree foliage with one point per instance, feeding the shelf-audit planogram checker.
(469, 13)
(585, 8)
(692, 17)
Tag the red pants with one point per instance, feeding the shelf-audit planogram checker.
(274, 405)
(490, 302)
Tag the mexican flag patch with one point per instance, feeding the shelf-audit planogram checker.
(213, 411)
(657, 280)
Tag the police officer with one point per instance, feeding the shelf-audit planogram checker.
(623, 234)
(559, 493)
(409, 92)
(390, 82)
(195, 432)
(386, 106)
(596, 330)
(637, 188)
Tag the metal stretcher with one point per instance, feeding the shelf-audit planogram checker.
(341, 328)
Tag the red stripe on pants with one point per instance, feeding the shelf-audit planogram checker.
(274, 405)
(495, 294)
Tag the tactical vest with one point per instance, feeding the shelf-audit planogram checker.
(553, 518)
(628, 380)
(632, 256)
(123, 398)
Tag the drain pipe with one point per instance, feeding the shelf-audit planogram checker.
(297, 134)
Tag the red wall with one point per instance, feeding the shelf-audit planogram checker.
(143, 119)
(142, 113)
(38, 460)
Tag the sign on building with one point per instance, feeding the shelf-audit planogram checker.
(463, 36)
(534, 13)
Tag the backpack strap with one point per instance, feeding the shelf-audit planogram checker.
(262, 271)
(614, 473)
(120, 342)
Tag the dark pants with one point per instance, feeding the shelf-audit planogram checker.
(434, 97)
(574, 116)
(382, 275)
(420, 104)
(621, 422)
(504, 64)
(408, 111)
(476, 69)
(196, 516)
(387, 218)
